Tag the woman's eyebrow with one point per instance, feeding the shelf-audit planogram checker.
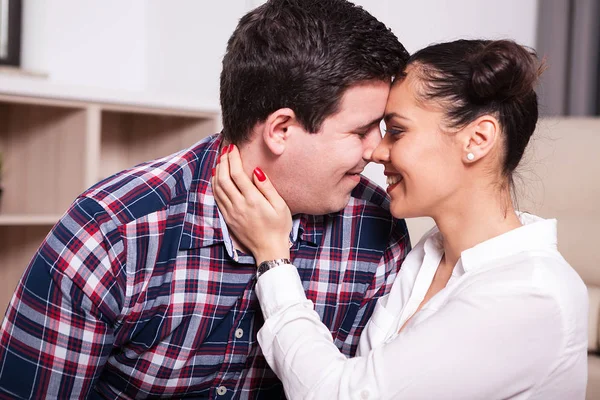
(392, 115)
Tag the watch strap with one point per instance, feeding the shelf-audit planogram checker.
(269, 264)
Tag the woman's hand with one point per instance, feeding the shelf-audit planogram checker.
(253, 210)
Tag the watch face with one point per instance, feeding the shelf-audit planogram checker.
(267, 265)
(264, 267)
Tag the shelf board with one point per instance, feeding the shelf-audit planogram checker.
(17, 71)
(29, 220)
(109, 99)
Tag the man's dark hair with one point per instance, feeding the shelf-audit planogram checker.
(302, 55)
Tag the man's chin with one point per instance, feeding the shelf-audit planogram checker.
(334, 206)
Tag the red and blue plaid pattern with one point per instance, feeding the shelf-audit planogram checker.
(134, 294)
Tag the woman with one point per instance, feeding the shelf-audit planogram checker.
(484, 307)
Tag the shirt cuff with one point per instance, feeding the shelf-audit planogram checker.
(279, 288)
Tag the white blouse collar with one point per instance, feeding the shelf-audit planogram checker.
(536, 233)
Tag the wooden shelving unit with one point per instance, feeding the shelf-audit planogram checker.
(54, 149)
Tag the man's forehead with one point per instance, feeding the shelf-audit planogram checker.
(365, 102)
(356, 118)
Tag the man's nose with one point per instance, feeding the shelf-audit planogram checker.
(381, 154)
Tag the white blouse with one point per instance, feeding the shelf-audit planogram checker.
(510, 324)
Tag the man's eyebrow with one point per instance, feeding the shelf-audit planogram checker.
(370, 124)
(393, 115)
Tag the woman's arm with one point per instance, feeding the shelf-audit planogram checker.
(488, 342)
(475, 347)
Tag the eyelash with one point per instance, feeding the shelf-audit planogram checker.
(394, 132)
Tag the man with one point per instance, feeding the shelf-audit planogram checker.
(139, 290)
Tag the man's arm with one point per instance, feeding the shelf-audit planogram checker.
(58, 330)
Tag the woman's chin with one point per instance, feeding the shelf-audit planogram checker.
(400, 205)
(399, 208)
(404, 215)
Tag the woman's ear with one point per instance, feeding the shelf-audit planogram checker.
(479, 138)
(277, 129)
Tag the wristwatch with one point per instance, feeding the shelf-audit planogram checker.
(267, 265)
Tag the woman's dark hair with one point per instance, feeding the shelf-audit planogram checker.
(301, 54)
(471, 78)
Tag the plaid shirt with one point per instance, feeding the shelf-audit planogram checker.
(137, 291)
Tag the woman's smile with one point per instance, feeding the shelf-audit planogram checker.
(392, 181)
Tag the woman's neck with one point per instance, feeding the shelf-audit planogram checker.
(473, 220)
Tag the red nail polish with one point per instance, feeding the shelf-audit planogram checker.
(224, 149)
(219, 158)
(259, 174)
(230, 148)
(213, 171)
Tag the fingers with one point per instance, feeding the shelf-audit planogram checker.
(223, 202)
(235, 183)
(225, 191)
(235, 191)
(263, 183)
(236, 171)
(253, 210)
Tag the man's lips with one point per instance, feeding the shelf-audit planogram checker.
(354, 175)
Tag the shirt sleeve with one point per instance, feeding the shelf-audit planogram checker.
(472, 348)
(58, 330)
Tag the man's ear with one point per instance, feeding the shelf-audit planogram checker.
(276, 130)
(479, 138)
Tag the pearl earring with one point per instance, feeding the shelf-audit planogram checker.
(470, 156)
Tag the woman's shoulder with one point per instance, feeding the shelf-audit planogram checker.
(552, 274)
(543, 270)
(541, 282)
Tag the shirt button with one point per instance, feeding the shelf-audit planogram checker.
(221, 390)
(364, 394)
(239, 333)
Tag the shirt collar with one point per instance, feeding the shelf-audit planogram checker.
(204, 224)
(535, 234)
(228, 241)
(201, 225)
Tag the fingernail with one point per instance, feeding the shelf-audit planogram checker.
(224, 149)
(219, 158)
(213, 171)
(259, 174)
(230, 148)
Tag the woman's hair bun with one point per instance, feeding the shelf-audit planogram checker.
(502, 70)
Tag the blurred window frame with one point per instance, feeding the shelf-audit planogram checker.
(10, 32)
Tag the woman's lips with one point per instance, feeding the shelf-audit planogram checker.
(393, 181)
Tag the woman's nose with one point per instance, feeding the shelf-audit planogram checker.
(381, 154)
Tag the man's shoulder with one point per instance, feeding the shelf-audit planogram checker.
(154, 185)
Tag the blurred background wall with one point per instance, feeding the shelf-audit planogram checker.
(170, 52)
(174, 48)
